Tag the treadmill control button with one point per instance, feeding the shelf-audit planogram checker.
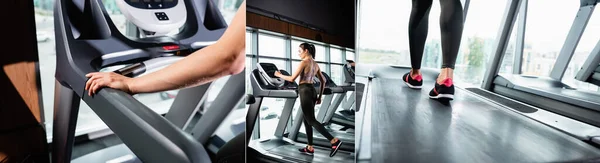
(161, 16)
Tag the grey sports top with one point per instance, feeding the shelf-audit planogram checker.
(307, 77)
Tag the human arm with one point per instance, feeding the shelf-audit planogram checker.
(322, 86)
(225, 57)
(295, 75)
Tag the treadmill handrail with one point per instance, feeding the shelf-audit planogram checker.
(139, 126)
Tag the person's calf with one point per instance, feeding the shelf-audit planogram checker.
(445, 73)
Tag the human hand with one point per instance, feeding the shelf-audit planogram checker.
(278, 74)
(319, 101)
(109, 79)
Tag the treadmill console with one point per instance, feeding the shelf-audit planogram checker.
(329, 82)
(155, 16)
(267, 72)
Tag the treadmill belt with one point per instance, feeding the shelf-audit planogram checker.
(410, 127)
(289, 152)
(320, 155)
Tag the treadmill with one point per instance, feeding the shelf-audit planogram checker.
(87, 41)
(500, 122)
(279, 148)
(403, 124)
(344, 117)
(568, 99)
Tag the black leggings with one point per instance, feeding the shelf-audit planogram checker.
(451, 24)
(308, 99)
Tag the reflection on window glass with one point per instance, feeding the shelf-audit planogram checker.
(336, 55)
(319, 51)
(548, 23)
(88, 121)
(350, 55)
(273, 46)
(248, 43)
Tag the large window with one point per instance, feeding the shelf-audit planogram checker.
(350, 55)
(272, 46)
(386, 42)
(248, 43)
(548, 23)
(88, 121)
(248, 71)
(337, 74)
(336, 55)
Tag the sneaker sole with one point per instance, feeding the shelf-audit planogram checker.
(411, 86)
(336, 149)
(443, 96)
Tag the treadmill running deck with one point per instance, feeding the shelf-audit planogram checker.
(408, 126)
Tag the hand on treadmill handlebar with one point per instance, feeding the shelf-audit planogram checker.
(97, 80)
(278, 74)
(318, 101)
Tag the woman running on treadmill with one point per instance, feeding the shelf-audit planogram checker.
(307, 70)
(451, 24)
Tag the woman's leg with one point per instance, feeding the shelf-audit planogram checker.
(307, 103)
(451, 24)
(417, 32)
(309, 131)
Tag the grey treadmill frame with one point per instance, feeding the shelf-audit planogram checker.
(508, 20)
(518, 57)
(227, 99)
(363, 125)
(133, 122)
(334, 106)
(349, 103)
(590, 64)
(575, 33)
(186, 104)
(577, 28)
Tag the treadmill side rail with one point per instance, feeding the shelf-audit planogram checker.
(138, 126)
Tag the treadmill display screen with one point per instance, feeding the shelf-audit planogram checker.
(152, 4)
(270, 69)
